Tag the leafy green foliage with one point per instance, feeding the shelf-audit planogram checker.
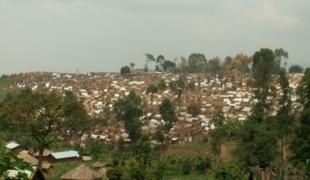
(202, 164)
(115, 173)
(8, 161)
(257, 145)
(128, 110)
(197, 62)
(178, 88)
(218, 119)
(125, 70)
(296, 69)
(303, 90)
(152, 88)
(162, 65)
(76, 117)
(143, 150)
(262, 67)
(168, 66)
(214, 66)
(37, 116)
(162, 85)
(187, 166)
(280, 55)
(5, 82)
(95, 149)
(301, 142)
(167, 112)
(284, 118)
(228, 172)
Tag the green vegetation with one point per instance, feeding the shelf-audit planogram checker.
(74, 113)
(5, 82)
(301, 142)
(125, 70)
(37, 117)
(9, 161)
(296, 69)
(167, 112)
(266, 144)
(128, 110)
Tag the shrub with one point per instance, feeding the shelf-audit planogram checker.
(186, 166)
(228, 172)
(115, 173)
(202, 164)
(194, 108)
(125, 70)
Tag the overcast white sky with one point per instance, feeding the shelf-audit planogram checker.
(102, 35)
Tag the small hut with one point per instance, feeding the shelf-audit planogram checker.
(81, 172)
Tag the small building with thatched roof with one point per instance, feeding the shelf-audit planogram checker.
(46, 153)
(81, 172)
(33, 161)
(26, 157)
(98, 165)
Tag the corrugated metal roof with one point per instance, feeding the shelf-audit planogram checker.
(66, 154)
(12, 145)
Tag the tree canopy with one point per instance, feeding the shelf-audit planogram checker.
(296, 69)
(128, 110)
(125, 70)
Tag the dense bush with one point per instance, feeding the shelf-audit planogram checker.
(96, 149)
(202, 164)
(194, 108)
(186, 166)
(228, 172)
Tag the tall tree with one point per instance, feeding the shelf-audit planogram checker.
(39, 115)
(168, 66)
(167, 111)
(296, 69)
(235, 68)
(284, 118)
(214, 66)
(159, 61)
(178, 88)
(262, 67)
(197, 63)
(301, 143)
(128, 110)
(257, 143)
(125, 70)
(132, 66)
(76, 117)
(152, 89)
(183, 66)
(280, 55)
